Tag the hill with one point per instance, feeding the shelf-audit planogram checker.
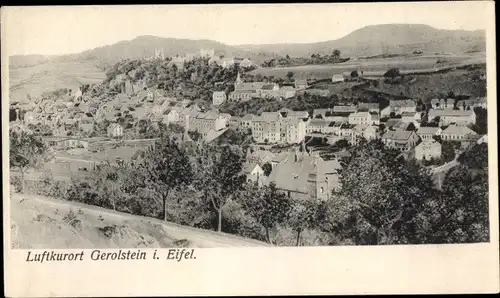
(51, 75)
(41, 222)
(27, 60)
(144, 46)
(389, 38)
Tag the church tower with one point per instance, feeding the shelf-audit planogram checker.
(238, 80)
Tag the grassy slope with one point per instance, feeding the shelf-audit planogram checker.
(35, 80)
(376, 66)
(39, 222)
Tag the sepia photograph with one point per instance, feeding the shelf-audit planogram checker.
(377, 137)
(222, 126)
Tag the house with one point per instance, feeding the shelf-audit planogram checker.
(457, 133)
(365, 131)
(287, 92)
(252, 169)
(427, 150)
(241, 95)
(215, 59)
(295, 130)
(442, 103)
(227, 62)
(245, 63)
(301, 84)
(345, 109)
(178, 62)
(235, 123)
(293, 114)
(246, 121)
(469, 104)
(171, 116)
(266, 128)
(401, 140)
(360, 118)
(375, 118)
(318, 126)
(269, 91)
(409, 117)
(483, 139)
(385, 112)
(447, 117)
(321, 112)
(369, 107)
(427, 133)
(115, 130)
(29, 117)
(336, 78)
(253, 87)
(218, 98)
(400, 106)
(307, 177)
(318, 92)
(260, 157)
(78, 94)
(274, 127)
(204, 122)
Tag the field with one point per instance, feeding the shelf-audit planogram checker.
(40, 222)
(34, 80)
(376, 67)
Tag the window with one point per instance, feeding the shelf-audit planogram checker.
(321, 190)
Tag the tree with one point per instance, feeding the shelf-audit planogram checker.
(26, 151)
(303, 215)
(166, 167)
(476, 157)
(342, 144)
(461, 213)
(354, 74)
(267, 168)
(269, 207)
(336, 53)
(481, 126)
(392, 73)
(380, 198)
(219, 175)
(447, 151)
(289, 75)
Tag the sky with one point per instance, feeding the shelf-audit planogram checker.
(57, 30)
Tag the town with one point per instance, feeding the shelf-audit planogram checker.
(295, 134)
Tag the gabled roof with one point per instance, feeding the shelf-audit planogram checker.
(402, 103)
(398, 135)
(428, 130)
(319, 122)
(248, 117)
(450, 113)
(458, 130)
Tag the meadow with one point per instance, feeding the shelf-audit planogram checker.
(376, 66)
(49, 76)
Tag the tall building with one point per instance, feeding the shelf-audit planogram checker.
(159, 53)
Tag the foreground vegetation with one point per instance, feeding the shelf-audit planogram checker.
(203, 186)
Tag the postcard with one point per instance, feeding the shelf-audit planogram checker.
(250, 149)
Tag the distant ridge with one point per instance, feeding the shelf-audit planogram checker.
(388, 38)
(366, 41)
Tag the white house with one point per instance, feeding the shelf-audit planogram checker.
(360, 118)
(115, 130)
(459, 117)
(428, 149)
(338, 78)
(427, 133)
(219, 97)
